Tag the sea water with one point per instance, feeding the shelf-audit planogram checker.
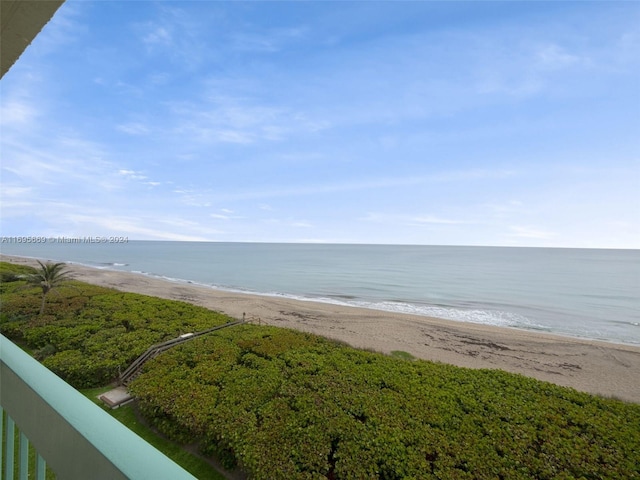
(583, 293)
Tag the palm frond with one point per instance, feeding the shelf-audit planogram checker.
(48, 277)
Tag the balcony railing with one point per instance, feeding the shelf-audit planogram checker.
(74, 437)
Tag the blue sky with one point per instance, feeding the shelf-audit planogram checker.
(446, 123)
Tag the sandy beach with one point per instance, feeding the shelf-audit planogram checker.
(596, 367)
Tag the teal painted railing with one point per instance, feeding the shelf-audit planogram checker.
(75, 437)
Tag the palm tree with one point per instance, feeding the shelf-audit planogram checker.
(48, 277)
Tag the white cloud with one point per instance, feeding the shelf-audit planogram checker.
(251, 42)
(161, 78)
(270, 41)
(530, 232)
(15, 112)
(240, 112)
(524, 67)
(132, 174)
(194, 197)
(554, 57)
(461, 177)
(225, 214)
(176, 36)
(503, 209)
(133, 128)
(157, 35)
(18, 200)
(231, 120)
(15, 191)
(432, 219)
(411, 219)
(226, 136)
(103, 223)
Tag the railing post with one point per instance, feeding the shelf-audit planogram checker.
(24, 457)
(1, 435)
(9, 433)
(79, 440)
(41, 467)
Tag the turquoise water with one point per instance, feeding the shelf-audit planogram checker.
(577, 292)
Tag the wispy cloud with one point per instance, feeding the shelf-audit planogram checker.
(131, 226)
(434, 220)
(157, 35)
(554, 57)
(10, 191)
(132, 174)
(238, 120)
(302, 224)
(529, 232)
(133, 128)
(225, 214)
(208, 120)
(60, 162)
(509, 206)
(16, 112)
(174, 34)
(412, 219)
(195, 197)
(268, 41)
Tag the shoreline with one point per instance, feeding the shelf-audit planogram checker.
(597, 367)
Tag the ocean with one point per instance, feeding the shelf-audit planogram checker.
(584, 293)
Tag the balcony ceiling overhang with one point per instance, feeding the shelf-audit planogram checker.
(20, 22)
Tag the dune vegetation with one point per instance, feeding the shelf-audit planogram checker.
(285, 404)
(88, 334)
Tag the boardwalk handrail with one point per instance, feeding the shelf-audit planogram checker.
(158, 348)
(77, 439)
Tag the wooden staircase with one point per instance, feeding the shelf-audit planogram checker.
(153, 351)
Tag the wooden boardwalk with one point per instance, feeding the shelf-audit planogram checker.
(154, 350)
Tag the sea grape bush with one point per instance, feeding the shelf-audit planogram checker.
(89, 334)
(289, 405)
(284, 404)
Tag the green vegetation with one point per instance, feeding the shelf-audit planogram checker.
(89, 334)
(285, 404)
(126, 414)
(12, 273)
(290, 405)
(48, 277)
(402, 355)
